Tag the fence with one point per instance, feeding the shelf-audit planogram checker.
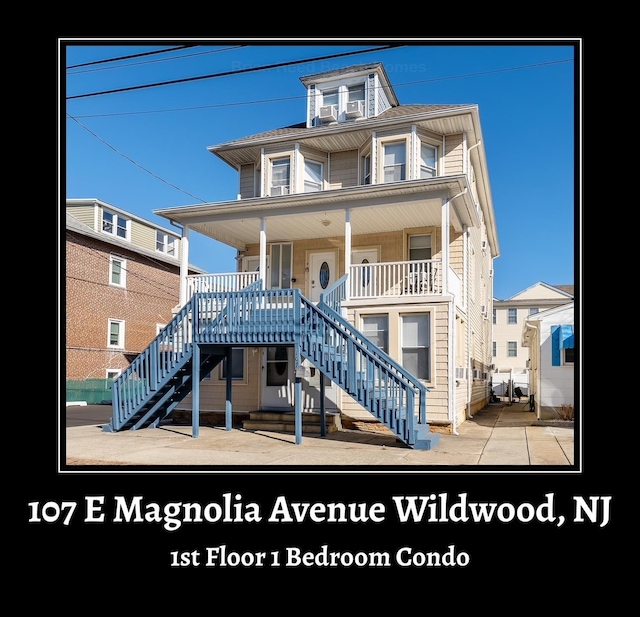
(91, 391)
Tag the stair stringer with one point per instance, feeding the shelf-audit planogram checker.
(159, 377)
(346, 357)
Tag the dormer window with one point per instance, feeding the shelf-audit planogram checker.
(428, 161)
(395, 158)
(366, 169)
(313, 176)
(355, 101)
(330, 106)
(280, 177)
(115, 224)
(165, 243)
(330, 97)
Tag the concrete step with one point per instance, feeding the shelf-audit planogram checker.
(284, 422)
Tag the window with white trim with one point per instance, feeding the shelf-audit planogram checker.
(331, 97)
(115, 336)
(494, 350)
(115, 224)
(366, 169)
(512, 316)
(512, 349)
(355, 93)
(280, 177)
(394, 161)
(165, 243)
(494, 316)
(533, 310)
(419, 247)
(428, 158)
(112, 373)
(376, 329)
(313, 176)
(416, 344)
(117, 271)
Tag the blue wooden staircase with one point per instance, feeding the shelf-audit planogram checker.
(162, 375)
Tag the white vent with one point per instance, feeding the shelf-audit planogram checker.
(329, 113)
(355, 109)
(491, 273)
(483, 309)
(279, 190)
(484, 245)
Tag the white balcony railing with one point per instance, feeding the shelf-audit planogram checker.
(395, 279)
(230, 281)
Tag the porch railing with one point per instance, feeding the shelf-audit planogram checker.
(221, 282)
(395, 279)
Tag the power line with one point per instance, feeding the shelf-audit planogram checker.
(133, 64)
(304, 96)
(140, 55)
(234, 72)
(134, 162)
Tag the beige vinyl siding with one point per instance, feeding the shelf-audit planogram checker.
(456, 253)
(143, 236)
(86, 215)
(343, 169)
(247, 182)
(454, 155)
(437, 397)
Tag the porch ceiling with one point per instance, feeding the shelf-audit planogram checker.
(374, 209)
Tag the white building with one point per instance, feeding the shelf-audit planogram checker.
(550, 337)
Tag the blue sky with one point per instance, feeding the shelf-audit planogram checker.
(142, 149)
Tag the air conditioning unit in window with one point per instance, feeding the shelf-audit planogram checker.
(329, 113)
(355, 109)
(279, 190)
(483, 309)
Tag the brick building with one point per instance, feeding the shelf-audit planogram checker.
(121, 286)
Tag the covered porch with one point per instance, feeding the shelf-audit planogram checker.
(337, 220)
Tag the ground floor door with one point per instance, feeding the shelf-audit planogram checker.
(278, 383)
(278, 378)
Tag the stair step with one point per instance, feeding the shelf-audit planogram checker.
(284, 422)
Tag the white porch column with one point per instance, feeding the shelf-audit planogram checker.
(446, 218)
(263, 252)
(347, 249)
(184, 264)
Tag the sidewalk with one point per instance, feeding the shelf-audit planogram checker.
(499, 435)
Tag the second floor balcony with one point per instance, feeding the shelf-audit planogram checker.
(370, 281)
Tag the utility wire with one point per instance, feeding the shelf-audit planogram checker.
(234, 72)
(140, 55)
(133, 64)
(134, 162)
(304, 96)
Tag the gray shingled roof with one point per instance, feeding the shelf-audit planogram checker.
(392, 112)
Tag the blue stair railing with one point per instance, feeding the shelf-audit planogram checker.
(150, 388)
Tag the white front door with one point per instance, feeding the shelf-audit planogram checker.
(278, 378)
(322, 272)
